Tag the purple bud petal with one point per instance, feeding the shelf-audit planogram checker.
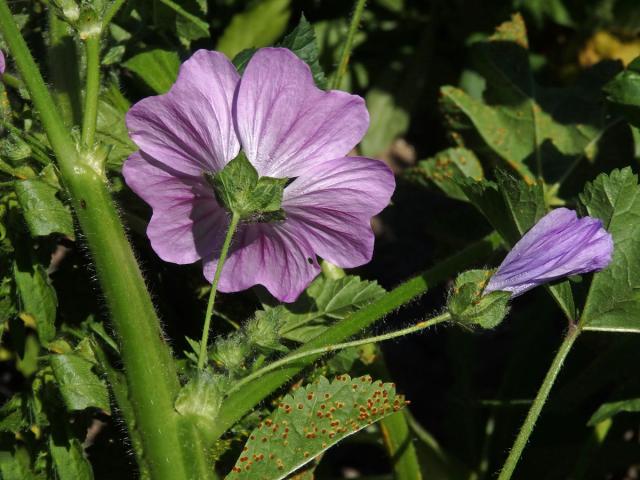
(559, 245)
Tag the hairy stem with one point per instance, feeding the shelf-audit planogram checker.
(348, 43)
(92, 90)
(536, 407)
(238, 404)
(202, 358)
(317, 352)
(151, 375)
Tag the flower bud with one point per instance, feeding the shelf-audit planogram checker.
(231, 352)
(467, 304)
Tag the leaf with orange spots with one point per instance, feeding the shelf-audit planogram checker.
(309, 421)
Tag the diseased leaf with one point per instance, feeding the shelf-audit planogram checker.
(259, 26)
(311, 420)
(613, 302)
(43, 211)
(324, 301)
(530, 127)
(38, 298)
(80, 387)
(157, 68)
(445, 168)
(302, 42)
(608, 410)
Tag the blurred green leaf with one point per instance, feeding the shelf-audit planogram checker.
(43, 211)
(68, 459)
(259, 26)
(188, 26)
(624, 92)
(311, 420)
(613, 302)
(324, 302)
(79, 386)
(302, 42)
(445, 169)
(157, 68)
(38, 297)
(16, 465)
(529, 127)
(608, 410)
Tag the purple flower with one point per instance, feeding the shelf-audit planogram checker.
(559, 245)
(2, 63)
(288, 128)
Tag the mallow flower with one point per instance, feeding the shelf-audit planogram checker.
(290, 131)
(559, 245)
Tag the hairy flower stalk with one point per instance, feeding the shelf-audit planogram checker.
(559, 245)
(269, 146)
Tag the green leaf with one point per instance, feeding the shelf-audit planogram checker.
(157, 68)
(309, 421)
(241, 60)
(13, 415)
(199, 401)
(624, 92)
(259, 26)
(38, 297)
(80, 387)
(445, 169)
(608, 410)
(324, 302)
(302, 42)
(529, 127)
(69, 460)
(112, 130)
(16, 465)
(613, 302)
(43, 211)
(240, 190)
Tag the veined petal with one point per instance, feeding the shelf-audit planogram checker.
(331, 205)
(559, 245)
(190, 128)
(285, 122)
(271, 255)
(187, 224)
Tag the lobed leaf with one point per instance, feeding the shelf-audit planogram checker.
(43, 211)
(309, 421)
(613, 302)
(79, 386)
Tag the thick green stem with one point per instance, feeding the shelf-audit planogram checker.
(316, 352)
(92, 90)
(63, 70)
(536, 407)
(238, 404)
(348, 43)
(151, 374)
(233, 225)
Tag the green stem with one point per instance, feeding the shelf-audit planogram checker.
(348, 44)
(150, 372)
(92, 91)
(238, 404)
(202, 358)
(11, 81)
(317, 352)
(63, 70)
(536, 407)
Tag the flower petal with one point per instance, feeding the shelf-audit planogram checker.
(285, 122)
(331, 205)
(267, 254)
(187, 224)
(190, 128)
(559, 245)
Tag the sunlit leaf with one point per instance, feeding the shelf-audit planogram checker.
(157, 68)
(311, 420)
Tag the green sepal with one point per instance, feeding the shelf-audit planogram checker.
(468, 306)
(240, 190)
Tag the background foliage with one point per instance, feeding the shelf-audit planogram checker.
(470, 102)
